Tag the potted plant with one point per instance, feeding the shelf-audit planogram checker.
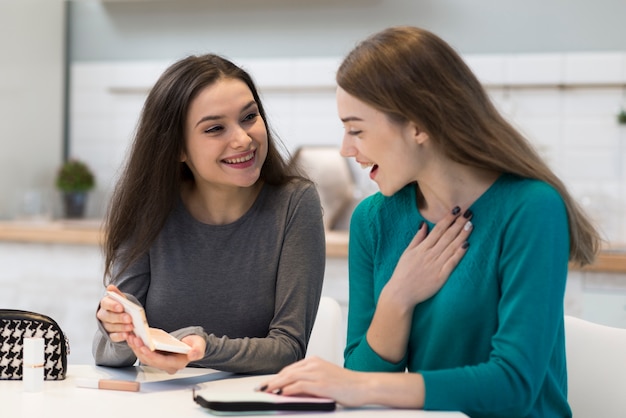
(74, 179)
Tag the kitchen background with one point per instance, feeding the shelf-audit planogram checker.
(73, 77)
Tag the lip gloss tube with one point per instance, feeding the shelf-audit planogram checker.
(109, 384)
(33, 364)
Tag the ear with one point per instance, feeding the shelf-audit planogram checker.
(418, 134)
(183, 157)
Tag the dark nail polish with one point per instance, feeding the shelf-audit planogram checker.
(262, 388)
(278, 391)
(465, 245)
(456, 210)
(420, 225)
(468, 214)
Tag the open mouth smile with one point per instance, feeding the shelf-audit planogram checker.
(241, 159)
(373, 166)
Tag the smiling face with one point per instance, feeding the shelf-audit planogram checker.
(390, 150)
(225, 139)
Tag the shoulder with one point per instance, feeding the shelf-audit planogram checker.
(368, 206)
(294, 190)
(528, 193)
(298, 196)
(528, 203)
(381, 205)
(378, 209)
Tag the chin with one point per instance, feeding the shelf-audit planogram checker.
(385, 191)
(251, 182)
(388, 191)
(247, 179)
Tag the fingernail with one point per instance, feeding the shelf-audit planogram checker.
(277, 391)
(468, 226)
(456, 210)
(420, 225)
(468, 213)
(261, 389)
(465, 245)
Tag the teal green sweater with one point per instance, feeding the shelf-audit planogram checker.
(491, 342)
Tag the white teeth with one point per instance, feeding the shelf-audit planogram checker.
(366, 165)
(240, 159)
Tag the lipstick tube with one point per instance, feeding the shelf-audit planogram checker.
(33, 364)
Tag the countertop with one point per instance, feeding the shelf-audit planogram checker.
(89, 232)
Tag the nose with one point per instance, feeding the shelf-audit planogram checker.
(347, 147)
(240, 138)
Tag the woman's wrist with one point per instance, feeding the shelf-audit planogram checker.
(397, 390)
(393, 297)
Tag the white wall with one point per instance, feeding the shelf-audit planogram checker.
(59, 280)
(566, 103)
(31, 97)
(167, 29)
(32, 45)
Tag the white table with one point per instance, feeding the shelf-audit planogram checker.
(161, 395)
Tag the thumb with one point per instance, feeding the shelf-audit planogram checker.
(197, 345)
(195, 354)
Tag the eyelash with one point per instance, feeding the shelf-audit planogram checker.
(248, 118)
(354, 133)
(251, 116)
(213, 129)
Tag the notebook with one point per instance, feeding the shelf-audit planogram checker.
(153, 338)
(250, 402)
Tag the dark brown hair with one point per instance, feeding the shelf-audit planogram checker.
(410, 74)
(150, 184)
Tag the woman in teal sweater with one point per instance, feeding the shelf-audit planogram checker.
(458, 265)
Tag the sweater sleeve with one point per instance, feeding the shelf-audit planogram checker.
(532, 272)
(358, 353)
(108, 353)
(298, 289)
(134, 283)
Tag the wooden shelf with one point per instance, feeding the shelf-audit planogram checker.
(337, 244)
(607, 261)
(88, 232)
(83, 232)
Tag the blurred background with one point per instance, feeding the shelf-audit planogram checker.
(74, 75)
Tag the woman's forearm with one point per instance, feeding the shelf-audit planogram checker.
(388, 333)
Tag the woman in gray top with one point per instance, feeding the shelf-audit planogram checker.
(211, 231)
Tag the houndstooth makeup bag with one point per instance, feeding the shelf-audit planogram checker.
(14, 327)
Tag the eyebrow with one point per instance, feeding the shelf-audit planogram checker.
(250, 104)
(351, 119)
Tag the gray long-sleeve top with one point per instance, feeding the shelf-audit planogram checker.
(250, 288)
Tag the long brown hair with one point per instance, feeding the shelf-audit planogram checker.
(410, 74)
(149, 186)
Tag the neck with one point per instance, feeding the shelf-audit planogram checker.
(219, 205)
(457, 185)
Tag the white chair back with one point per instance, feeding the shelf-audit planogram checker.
(596, 369)
(327, 339)
(331, 173)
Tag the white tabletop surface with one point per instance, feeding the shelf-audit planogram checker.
(161, 395)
